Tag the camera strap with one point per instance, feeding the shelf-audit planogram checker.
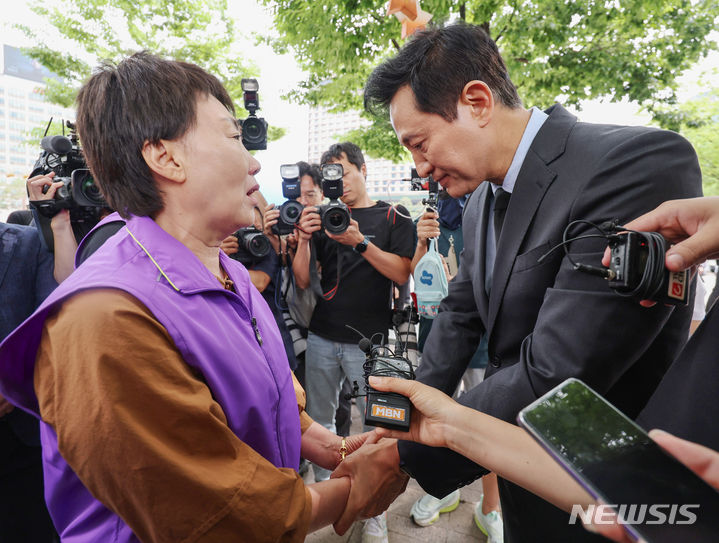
(315, 279)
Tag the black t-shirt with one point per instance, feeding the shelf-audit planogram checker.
(362, 298)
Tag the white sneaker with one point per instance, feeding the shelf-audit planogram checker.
(490, 524)
(374, 530)
(426, 510)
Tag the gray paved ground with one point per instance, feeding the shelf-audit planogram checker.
(455, 527)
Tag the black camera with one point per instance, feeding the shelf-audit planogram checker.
(253, 241)
(79, 194)
(426, 183)
(254, 128)
(291, 210)
(335, 215)
(637, 269)
(386, 409)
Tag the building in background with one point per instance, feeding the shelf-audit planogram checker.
(22, 108)
(385, 180)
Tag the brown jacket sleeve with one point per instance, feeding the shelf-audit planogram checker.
(305, 420)
(145, 436)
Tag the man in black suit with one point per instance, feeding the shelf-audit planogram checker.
(531, 173)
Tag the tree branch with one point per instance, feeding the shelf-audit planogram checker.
(509, 22)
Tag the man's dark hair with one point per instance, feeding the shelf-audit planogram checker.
(354, 153)
(143, 98)
(313, 170)
(437, 63)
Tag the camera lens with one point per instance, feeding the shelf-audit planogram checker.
(92, 192)
(258, 245)
(290, 212)
(253, 130)
(336, 220)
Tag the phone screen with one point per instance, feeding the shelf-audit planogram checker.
(657, 497)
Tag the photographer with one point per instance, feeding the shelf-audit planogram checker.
(372, 253)
(64, 240)
(264, 271)
(168, 409)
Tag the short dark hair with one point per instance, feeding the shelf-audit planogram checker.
(437, 63)
(313, 170)
(354, 153)
(143, 98)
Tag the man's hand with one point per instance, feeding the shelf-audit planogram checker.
(271, 217)
(35, 186)
(5, 406)
(230, 245)
(309, 223)
(376, 481)
(428, 226)
(351, 237)
(291, 240)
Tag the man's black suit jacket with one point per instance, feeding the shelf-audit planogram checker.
(546, 322)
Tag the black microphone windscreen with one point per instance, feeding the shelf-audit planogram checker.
(365, 345)
(60, 145)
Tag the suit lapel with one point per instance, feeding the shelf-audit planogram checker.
(533, 180)
(526, 197)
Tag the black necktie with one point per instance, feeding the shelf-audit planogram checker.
(501, 203)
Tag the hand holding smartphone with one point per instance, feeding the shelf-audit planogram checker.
(655, 496)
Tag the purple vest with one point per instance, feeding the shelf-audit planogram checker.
(231, 339)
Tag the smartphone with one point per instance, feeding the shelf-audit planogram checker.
(655, 496)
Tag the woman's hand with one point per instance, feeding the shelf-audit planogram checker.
(433, 414)
(701, 460)
(322, 447)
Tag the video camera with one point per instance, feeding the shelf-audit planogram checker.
(291, 210)
(254, 128)
(426, 183)
(253, 241)
(335, 215)
(79, 194)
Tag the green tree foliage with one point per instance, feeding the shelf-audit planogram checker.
(555, 50)
(198, 31)
(698, 121)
